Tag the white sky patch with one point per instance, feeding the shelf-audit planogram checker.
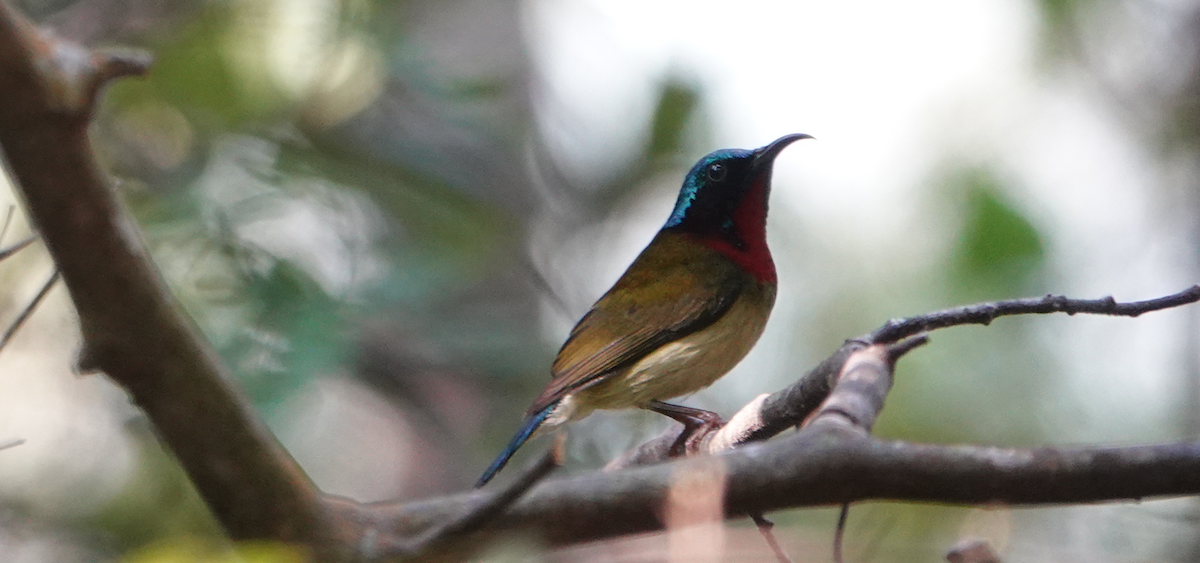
(863, 77)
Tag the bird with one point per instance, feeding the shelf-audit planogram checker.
(684, 313)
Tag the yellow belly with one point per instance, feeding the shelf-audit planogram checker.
(684, 366)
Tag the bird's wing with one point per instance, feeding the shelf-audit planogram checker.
(676, 287)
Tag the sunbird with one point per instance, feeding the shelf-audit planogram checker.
(686, 311)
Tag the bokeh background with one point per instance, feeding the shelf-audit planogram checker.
(387, 214)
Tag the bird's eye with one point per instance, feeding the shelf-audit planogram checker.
(717, 171)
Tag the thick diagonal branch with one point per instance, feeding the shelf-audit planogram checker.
(132, 328)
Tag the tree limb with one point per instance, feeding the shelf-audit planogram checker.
(131, 326)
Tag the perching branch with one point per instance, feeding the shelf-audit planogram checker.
(767, 415)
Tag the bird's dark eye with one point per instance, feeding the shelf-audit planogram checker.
(717, 171)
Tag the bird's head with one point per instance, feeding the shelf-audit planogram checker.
(724, 196)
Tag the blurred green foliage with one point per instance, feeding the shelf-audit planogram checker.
(676, 107)
(999, 253)
(188, 550)
(192, 73)
(975, 376)
(158, 502)
(434, 236)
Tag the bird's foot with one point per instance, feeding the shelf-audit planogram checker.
(697, 423)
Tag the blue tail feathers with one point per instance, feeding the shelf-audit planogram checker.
(527, 429)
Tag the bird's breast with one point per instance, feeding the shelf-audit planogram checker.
(691, 363)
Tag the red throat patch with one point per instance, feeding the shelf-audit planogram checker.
(750, 224)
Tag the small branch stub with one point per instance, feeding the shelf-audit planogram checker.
(112, 64)
(75, 75)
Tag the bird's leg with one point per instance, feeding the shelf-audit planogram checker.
(692, 420)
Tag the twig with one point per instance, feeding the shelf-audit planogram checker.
(767, 529)
(12, 443)
(839, 533)
(6, 252)
(441, 536)
(8, 215)
(985, 313)
(28, 310)
(111, 64)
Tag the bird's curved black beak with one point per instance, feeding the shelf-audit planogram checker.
(764, 156)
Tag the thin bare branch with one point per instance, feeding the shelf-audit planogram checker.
(985, 313)
(112, 64)
(839, 533)
(6, 252)
(8, 215)
(767, 529)
(11, 443)
(28, 310)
